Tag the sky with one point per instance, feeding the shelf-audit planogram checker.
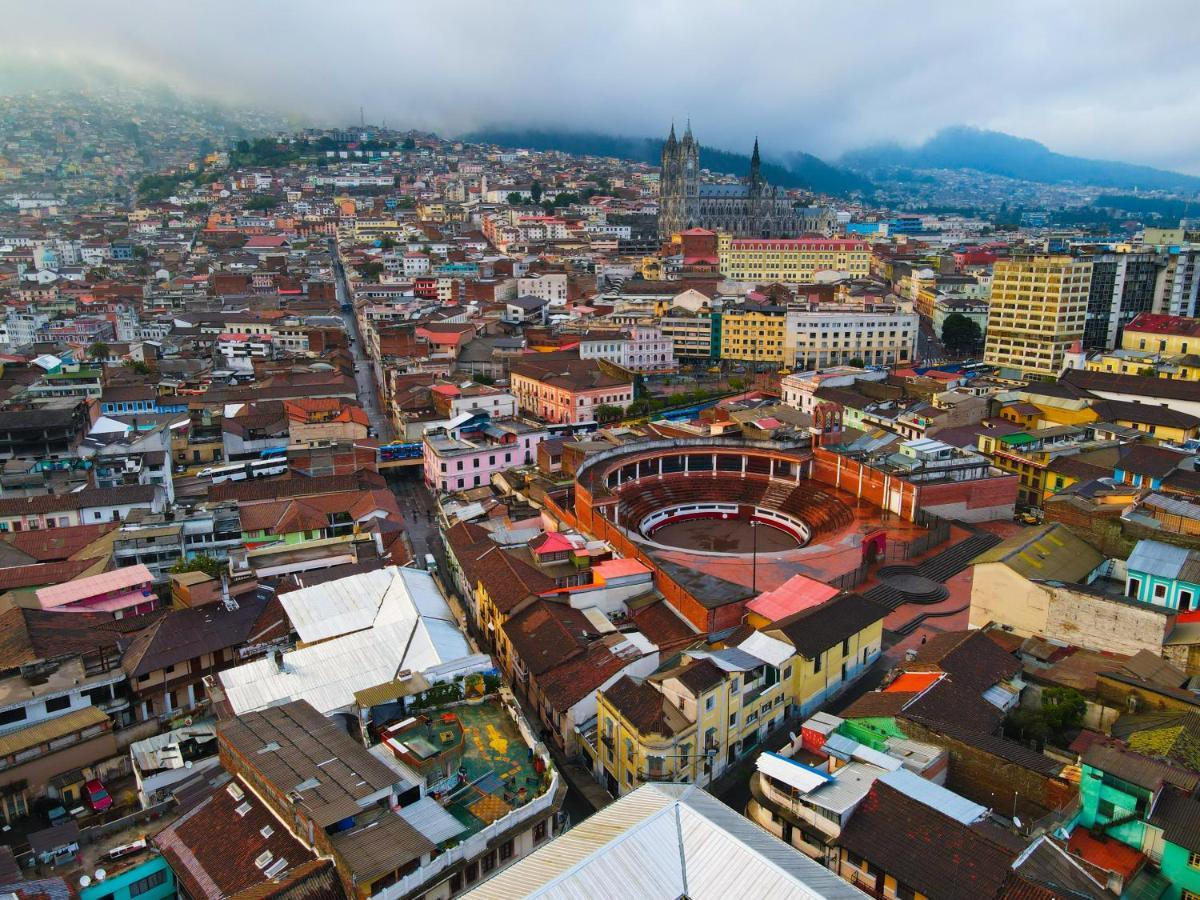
(1099, 79)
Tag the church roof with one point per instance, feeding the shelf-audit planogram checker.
(717, 191)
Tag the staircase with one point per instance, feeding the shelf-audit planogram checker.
(953, 560)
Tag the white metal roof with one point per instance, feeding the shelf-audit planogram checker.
(666, 841)
(935, 796)
(337, 607)
(767, 648)
(411, 627)
(429, 818)
(794, 774)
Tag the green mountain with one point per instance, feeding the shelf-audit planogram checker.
(997, 153)
(796, 170)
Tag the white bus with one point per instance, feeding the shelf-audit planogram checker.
(251, 468)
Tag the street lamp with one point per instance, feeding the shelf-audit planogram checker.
(754, 564)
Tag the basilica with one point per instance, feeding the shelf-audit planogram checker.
(752, 209)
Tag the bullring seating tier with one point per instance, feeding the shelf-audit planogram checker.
(807, 501)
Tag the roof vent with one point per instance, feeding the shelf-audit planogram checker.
(242, 809)
(235, 791)
(264, 859)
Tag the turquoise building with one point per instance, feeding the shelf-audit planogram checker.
(1163, 575)
(1150, 806)
(150, 879)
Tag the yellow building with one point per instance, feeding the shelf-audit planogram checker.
(792, 260)
(1037, 311)
(750, 334)
(692, 721)
(1168, 346)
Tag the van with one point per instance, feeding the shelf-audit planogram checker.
(430, 562)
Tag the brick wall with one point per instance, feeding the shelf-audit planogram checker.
(995, 782)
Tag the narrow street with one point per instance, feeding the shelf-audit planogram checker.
(364, 366)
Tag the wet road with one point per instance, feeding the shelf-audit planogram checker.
(364, 367)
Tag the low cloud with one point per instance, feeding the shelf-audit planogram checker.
(824, 78)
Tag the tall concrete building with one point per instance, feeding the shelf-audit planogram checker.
(1181, 292)
(1123, 285)
(1039, 305)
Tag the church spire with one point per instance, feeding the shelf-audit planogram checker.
(671, 137)
(755, 166)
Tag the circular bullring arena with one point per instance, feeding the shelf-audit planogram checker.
(709, 497)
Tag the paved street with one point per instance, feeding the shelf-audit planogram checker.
(364, 368)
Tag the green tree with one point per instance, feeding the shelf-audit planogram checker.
(1063, 709)
(961, 335)
(514, 198)
(264, 202)
(606, 413)
(858, 362)
(137, 365)
(409, 144)
(98, 350)
(242, 146)
(199, 563)
(372, 270)
(484, 378)
(536, 191)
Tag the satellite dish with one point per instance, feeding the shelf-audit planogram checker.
(188, 764)
(84, 881)
(101, 874)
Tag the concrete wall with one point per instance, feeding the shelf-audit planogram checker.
(998, 594)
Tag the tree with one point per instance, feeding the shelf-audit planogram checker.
(98, 350)
(535, 191)
(242, 146)
(484, 378)
(409, 143)
(961, 335)
(137, 365)
(514, 198)
(372, 270)
(387, 243)
(858, 362)
(606, 413)
(1063, 709)
(199, 563)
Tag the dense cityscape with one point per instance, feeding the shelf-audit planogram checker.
(389, 514)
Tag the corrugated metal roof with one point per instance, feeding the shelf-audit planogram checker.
(1157, 558)
(934, 796)
(337, 607)
(794, 774)
(428, 817)
(16, 741)
(667, 841)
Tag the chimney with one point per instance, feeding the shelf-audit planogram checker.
(277, 655)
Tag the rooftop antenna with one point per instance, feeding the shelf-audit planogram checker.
(362, 120)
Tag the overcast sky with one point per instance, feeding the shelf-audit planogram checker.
(1101, 79)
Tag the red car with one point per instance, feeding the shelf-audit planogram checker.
(96, 797)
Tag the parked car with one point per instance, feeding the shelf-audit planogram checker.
(430, 562)
(96, 797)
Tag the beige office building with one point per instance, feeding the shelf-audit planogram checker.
(1038, 308)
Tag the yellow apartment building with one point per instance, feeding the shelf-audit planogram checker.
(791, 260)
(754, 334)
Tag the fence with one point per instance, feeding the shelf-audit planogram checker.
(938, 533)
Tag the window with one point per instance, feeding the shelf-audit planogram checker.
(1160, 592)
(10, 716)
(57, 704)
(506, 850)
(1185, 600)
(846, 647)
(709, 702)
(539, 831)
(472, 872)
(151, 881)
(817, 664)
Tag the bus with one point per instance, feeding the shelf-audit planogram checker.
(257, 468)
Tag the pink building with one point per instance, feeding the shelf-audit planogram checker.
(567, 390)
(459, 458)
(122, 592)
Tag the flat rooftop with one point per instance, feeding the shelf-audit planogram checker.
(496, 771)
